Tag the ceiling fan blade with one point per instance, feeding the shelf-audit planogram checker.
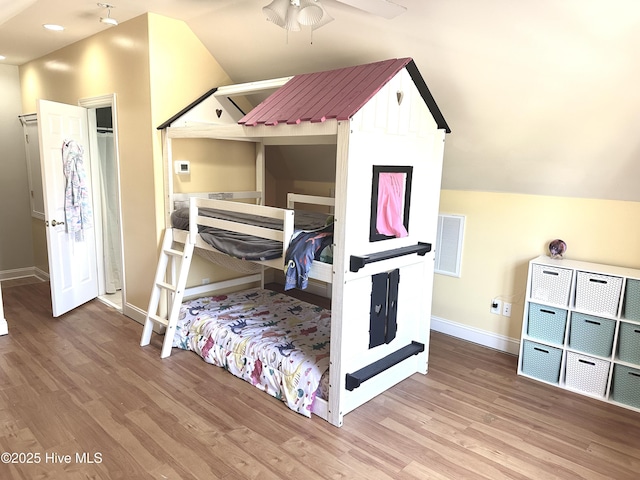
(381, 8)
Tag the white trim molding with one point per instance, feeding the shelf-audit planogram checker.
(23, 273)
(134, 313)
(475, 335)
(4, 327)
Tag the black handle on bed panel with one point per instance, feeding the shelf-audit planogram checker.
(355, 379)
(357, 262)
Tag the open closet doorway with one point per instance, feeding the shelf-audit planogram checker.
(105, 171)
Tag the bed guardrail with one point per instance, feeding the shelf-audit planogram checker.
(357, 262)
(354, 380)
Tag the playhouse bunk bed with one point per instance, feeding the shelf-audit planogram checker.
(385, 128)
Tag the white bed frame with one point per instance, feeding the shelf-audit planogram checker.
(381, 133)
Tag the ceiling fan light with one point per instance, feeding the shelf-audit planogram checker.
(276, 12)
(291, 22)
(292, 14)
(326, 18)
(310, 14)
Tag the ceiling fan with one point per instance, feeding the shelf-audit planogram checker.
(291, 14)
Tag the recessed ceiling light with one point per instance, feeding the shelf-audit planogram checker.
(54, 27)
(2, 57)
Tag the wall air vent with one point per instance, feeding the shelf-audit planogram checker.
(449, 245)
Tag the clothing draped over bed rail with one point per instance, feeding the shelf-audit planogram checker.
(303, 250)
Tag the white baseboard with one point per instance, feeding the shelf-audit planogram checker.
(134, 313)
(475, 335)
(23, 273)
(41, 274)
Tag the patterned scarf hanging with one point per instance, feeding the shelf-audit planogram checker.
(77, 204)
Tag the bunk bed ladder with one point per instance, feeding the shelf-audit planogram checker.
(168, 258)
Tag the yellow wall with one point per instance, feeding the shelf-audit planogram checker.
(181, 71)
(504, 231)
(155, 66)
(216, 165)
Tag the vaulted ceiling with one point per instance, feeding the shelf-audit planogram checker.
(541, 95)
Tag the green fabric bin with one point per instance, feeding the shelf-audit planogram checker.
(629, 343)
(591, 334)
(631, 308)
(547, 323)
(625, 386)
(541, 361)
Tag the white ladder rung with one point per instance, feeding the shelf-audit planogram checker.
(167, 286)
(178, 258)
(162, 321)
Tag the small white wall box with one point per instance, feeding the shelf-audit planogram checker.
(182, 167)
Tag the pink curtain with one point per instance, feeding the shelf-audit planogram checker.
(391, 187)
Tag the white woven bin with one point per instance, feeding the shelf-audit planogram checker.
(587, 374)
(551, 284)
(598, 293)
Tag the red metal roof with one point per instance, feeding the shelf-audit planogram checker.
(316, 97)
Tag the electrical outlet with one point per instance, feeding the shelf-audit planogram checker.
(496, 306)
(506, 309)
(206, 281)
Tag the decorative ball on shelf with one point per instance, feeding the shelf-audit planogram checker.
(557, 248)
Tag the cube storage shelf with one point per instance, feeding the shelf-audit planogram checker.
(581, 329)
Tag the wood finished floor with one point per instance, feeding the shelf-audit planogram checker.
(81, 385)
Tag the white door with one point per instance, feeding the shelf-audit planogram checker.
(72, 258)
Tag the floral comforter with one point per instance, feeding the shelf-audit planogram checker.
(273, 341)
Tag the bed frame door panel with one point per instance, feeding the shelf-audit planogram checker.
(413, 325)
(358, 151)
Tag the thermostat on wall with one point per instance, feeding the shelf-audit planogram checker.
(182, 167)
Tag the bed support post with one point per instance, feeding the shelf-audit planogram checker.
(260, 172)
(167, 156)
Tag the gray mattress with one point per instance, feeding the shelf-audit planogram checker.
(239, 245)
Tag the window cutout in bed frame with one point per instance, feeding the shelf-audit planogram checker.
(389, 173)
